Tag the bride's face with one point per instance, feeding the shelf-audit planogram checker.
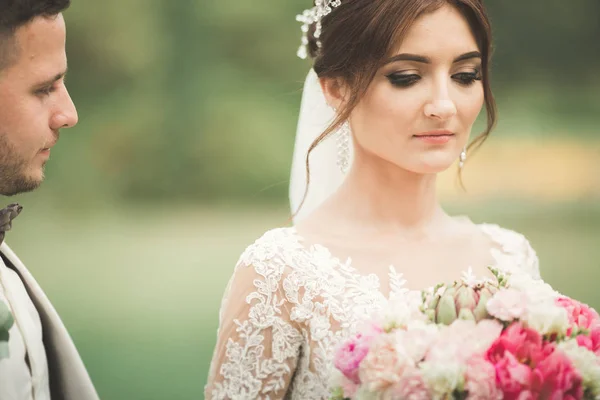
(419, 110)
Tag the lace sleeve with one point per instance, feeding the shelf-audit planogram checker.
(532, 262)
(514, 251)
(257, 342)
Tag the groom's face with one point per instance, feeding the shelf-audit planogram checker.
(34, 102)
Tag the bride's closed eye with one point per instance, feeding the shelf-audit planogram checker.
(467, 78)
(404, 80)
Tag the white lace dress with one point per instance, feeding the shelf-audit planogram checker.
(287, 307)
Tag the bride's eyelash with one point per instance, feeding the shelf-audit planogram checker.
(407, 80)
(403, 80)
(467, 78)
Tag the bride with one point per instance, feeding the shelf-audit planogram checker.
(402, 83)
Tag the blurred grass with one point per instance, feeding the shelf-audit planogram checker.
(139, 288)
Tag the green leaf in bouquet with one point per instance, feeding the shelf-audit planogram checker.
(460, 395)
(480, 311)
(501, 277)
(466, 314)
(446, 313)
(466, 297)
(445, 307)
(337, 394)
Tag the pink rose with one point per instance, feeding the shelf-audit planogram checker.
(581, 316)
(384, 364)
(507, 305)
(514, 354)
(513, 378)
(349, 356)
(523, 343)
(410, 387)
(555, 377)
(480, 380)
(352, 352)
(591, 341)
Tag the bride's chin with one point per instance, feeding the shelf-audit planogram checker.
(431, 168)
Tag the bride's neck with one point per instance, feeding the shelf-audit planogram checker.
(388, 198)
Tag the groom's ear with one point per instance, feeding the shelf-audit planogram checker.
(335, 91)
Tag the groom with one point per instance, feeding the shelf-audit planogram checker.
(42, 361)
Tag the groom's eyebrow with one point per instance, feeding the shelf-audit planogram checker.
(52, 80)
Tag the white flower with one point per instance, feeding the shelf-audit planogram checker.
(418, 338)
(586, 362)
(469, 278)
(547, 318)
(508, 304)
(336, 378)
(537, 291)
(442, 378)
(401, 311)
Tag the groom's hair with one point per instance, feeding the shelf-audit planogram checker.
(16, 13)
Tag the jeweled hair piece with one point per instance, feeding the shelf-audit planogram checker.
(311, 16)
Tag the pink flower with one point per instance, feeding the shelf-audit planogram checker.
(507, 305)
(555, 377)
(384, 364)
(352, 352)
(581, 316)
(591, 341)
(453, 342)
(513, 378)
(463, 339)
(514, 354)
(481, 380)
(524, 344)
(410, 387)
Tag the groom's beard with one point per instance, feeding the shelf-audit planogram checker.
(13, 170)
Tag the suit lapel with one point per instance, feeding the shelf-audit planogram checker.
(69, 379)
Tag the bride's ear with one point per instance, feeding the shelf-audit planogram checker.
(334, 90)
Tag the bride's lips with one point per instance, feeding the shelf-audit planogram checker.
(435, 137)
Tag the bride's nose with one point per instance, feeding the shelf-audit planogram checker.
(441, 106)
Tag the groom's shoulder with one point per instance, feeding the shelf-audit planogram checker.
(7, 252)
(10, 259)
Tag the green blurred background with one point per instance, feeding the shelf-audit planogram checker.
(181, 158)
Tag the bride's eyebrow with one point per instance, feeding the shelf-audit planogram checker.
(427, 60)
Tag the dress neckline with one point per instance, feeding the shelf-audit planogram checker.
(397, 282)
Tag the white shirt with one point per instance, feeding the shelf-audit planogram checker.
(18, 380)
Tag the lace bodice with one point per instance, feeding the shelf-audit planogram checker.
(288, 306)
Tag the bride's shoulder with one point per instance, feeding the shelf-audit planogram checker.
(272, 246)
(509, 239)
(513, 247)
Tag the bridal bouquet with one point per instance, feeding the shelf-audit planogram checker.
(511, 337)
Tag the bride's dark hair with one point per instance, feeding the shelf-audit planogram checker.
(359, 35)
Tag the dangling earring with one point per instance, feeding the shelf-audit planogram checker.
(343, 147)
(342, 138)
(462, 158)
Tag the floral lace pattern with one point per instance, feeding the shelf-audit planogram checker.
(278, 341)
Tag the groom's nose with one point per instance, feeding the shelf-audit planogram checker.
(66, 113)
